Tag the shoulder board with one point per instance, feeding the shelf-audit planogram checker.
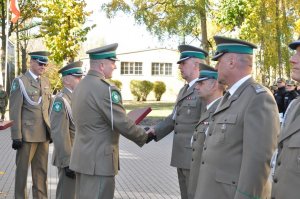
(259, 88)
(106, 82)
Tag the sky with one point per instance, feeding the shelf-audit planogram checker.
(122, 30)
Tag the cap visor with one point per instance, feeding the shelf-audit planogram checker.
(216, 57)
(114, 59)
(183, 59)
(202, 79)
(43, 62)
(294, 45)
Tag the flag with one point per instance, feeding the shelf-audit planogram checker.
(15, 10)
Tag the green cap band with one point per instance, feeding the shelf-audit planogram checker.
(235, 48)
(208, 74)
(196, 54)
(104, 55)
(40, 58)
(72, 71)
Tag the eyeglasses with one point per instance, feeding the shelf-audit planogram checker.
(42, 64)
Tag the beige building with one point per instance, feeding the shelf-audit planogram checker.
(157, 64)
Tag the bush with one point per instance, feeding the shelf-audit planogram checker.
(141, 89)
(117, 83)
(135, 89)
(146, 88)
(159, 88)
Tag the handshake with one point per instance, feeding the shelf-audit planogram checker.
(151, 134)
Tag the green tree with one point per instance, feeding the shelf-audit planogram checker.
(62, 28)
(181, 18)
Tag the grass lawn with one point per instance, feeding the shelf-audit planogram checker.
(159, 110)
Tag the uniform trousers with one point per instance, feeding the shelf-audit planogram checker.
(183, 178)
(36, 155)
(66, 185)
(94, 186)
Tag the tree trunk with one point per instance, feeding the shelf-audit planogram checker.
(23, 54)
(278, 35)
(3, 40)
(204, 26)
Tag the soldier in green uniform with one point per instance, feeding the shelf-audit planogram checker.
(100, 118)
(210, 92)
(3, 102)
(30, 99)
(63, 130)
(240, 141)
(186, 113)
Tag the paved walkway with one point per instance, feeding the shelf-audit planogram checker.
(145, 172)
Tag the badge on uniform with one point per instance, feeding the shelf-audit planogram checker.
(116, 97)
(57, 106)
(15, 85)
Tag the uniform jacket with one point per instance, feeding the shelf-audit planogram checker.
(183, 120)
(286, 182)
(31, 123)
(235, 161)
(62, 130)
(197, 146)
(288, 97)
(96, 146)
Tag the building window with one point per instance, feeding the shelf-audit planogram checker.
(161, 69)
(131, 68)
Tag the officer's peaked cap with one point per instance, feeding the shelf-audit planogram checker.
(104, 52)
(187, 51)
(74, 69)
(40, 56)
(229, 45)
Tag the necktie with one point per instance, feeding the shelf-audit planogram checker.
(186, 87)
(225, 98)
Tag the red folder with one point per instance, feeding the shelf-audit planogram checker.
(137, 115)
(5, 124)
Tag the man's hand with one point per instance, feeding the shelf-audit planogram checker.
(17, 144)
(70, 173)
(151, 134)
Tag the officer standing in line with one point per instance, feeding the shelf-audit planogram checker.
(241, 139)
(286, 179)
(30, 99)
(100, 118)
(3, 101)
(63, 130)
(290, 94)
(210, 92)
(186, 113)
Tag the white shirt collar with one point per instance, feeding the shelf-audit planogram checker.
(210, 104)
(192, 82)
(33, 75)
(69, 90)
(237, 84)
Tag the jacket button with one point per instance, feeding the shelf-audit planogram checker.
(275, 180)
(209, 134)
(204, 148)
(175, 132)
(281, 145)
(279, 163)
(202, 162)
(233, 182)
(192, 159)
(193, 149)
(176, 123)
(194, 139)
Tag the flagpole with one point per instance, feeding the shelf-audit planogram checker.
(6, 48)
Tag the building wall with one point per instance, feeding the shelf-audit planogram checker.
(173, 82)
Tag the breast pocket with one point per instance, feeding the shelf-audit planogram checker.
(190, 107)
(223, 126)
(294, 153)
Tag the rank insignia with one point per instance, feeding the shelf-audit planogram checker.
(115, 97)
(57, 106)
